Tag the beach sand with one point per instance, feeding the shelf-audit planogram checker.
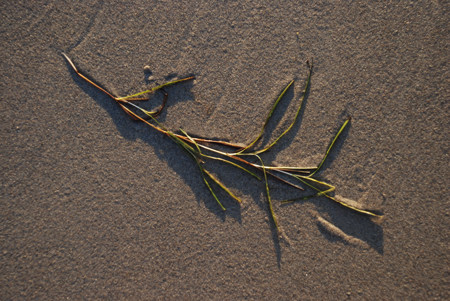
(94, 205)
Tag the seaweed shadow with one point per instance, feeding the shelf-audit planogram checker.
(185, 168)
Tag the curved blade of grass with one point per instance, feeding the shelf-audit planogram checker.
(363, 211)
(269, 200)
(192, 140)
(331, 146)
(194, 153)
(202, 169)
(267, 118)
(285, 181)
(304, 180)
(323, 192)
(217, 158)
(220, 142)
(210, 188)
(146, 112)
(234, 164)
(156, 88)
(218, 182)
(211, 176)
(302, 98)
(308, 178)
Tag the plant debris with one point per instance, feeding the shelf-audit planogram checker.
(245, 158)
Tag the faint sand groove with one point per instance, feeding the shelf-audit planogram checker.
(88, 28)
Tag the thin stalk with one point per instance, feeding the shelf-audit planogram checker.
(221, 185)
(267, 118)
(234, 164)
(157, 88)
(331, 146)
(302, 98)
(308, 178)
(195, 147)
(269, 200)
(210, 189)
(93, 83)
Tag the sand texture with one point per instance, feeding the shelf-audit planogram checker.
(97, 206)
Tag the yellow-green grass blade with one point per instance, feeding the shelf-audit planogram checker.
(292, 169)
(192, 140)
(211, 176)
(331, 146)
(203, 171)
(304, 180)
(194, 153)
(302, 98)
(146, 112)
(221, 185)
(269, 200)
(156, 88)
(268, 118)
(323, 192)
(234, 164)
(217, 181)
(217, 158)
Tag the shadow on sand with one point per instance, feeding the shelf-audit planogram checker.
(352, 223)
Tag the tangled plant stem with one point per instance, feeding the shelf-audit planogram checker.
(243, 157)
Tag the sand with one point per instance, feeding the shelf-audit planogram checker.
(96, 206)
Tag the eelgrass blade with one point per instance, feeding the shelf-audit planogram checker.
(218, 182)
(215, 158)
(212, 191)
(211, 176)
(304, 180)
(267, 118)
(203, 171)
(302, 98)
(146, 112)
(192, 140)
(220, 142)
(331, 188)
(156, 88)
(196, 155)
(363, 211)
(193, 152)
(331, 146)
(70, 62)
(292, 169)
(158, 127)
(269, 200)
(234, 164)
